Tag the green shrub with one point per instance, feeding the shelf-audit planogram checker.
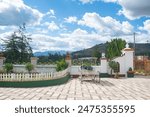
(130, 69)
(2, 71)
(61, 65)
(29, 67)
(8, 67)
(114, 66)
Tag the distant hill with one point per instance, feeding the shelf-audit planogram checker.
(62, 52)
(141, 49)
(89, 52)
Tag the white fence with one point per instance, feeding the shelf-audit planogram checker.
(33, 76)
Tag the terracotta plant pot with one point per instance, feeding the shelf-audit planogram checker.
(130, 74)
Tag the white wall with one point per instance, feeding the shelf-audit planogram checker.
(38, 68)
(121, 61)
(104, 66)
(129, 60)
(125, 61)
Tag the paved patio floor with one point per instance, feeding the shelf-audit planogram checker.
(108, 89)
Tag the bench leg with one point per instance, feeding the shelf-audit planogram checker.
(99, 80)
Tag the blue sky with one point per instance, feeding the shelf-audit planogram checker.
(75, 24)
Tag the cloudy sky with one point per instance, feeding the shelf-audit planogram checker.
(76, 24)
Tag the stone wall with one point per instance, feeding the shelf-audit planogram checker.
(37, 68)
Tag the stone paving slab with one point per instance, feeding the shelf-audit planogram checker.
(107, 89)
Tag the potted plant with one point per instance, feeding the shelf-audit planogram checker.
(8, 67)
(61, 65)
(115, 67)
(29, 67)
(130, 73)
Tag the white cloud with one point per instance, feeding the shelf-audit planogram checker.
(6, 35)
(41, 31)
(15, 12)
(79, 32)
(146, 26)
(43, 42)
(106, 25)
(86, 1)
(45, 23)
(76, 40)
(71, 19)
(2, 27)
(81, 39)
(51, 12)
(91, 1)
(53, 26)
(133, 9)
(110, 0)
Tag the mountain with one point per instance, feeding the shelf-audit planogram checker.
(89, 52)
(45, 53)
(140, 49)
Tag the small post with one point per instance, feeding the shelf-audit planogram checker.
(2, 59)
(68, 59)
(34, 61)
(103, 64)
(134, 50)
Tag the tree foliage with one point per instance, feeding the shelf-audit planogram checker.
(114, 66)
(114, 48)
(96, 53)
(61, 65)
(17, 48)
(29, 67)
(8, 67)
(52, 58)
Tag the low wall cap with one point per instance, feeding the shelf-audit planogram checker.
(34, 58)
(128, 49)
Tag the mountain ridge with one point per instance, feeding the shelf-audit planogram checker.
(46, 53)
(141, 49)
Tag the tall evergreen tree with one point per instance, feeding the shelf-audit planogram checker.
(114, 48)
(17, 48)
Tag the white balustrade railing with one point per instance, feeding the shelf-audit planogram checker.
(61, 73)
(33, 76)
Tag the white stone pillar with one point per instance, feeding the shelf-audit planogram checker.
(68, 62)
(2, 59)
(129, 58)
(68, 59)
(103, 65)
(34, 61)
